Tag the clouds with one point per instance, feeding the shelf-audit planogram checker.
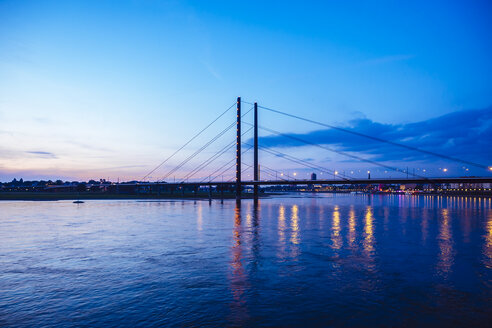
(41, 154)
(463, 134)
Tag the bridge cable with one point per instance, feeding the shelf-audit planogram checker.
(293, 160)
(303, 162)
(268, 168)
(376, 138)
(188, 142)
(228, 168)
(180, 165)
(307, 164)
(273, 170)
(242, 171)
(220, 134)
(300, 161)
(213, 158)
(208, 161)
(338, 151)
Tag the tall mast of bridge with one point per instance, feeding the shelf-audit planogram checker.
(256, 173)
(238, 149)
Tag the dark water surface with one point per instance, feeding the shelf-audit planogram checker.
(340, 260)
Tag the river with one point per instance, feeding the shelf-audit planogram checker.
(296, 260)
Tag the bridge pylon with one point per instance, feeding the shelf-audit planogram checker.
(238, 149)
(256, 173)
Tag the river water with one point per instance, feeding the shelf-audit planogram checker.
(293, 260)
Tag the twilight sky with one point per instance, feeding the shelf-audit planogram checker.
(109, 89)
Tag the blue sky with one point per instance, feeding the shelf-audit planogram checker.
(108, 89)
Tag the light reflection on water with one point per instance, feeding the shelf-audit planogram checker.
(352, 226)
(488, 243)
(325, 259)
(336, 238)
(368, 231)
(199, 217)
(281, 230)
(238, 275)
(294, 225)
(445, 239)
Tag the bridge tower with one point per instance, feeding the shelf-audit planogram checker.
(238, 149)
(256, 173)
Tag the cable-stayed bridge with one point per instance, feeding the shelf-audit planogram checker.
(275, 176)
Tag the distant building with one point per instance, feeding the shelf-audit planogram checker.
(408, 186)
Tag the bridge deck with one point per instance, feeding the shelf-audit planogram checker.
(332, 182)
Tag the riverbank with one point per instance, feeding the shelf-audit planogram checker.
(53, 196)
(40, 196)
